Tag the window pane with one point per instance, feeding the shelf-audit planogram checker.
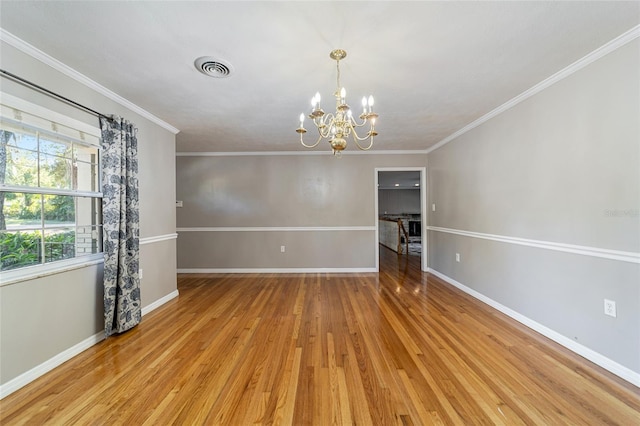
(55, 172)
(88, 240)
(88, 211)
(22, 167)
(86, 160)
(18, 137)
(19, 249)
(88, 154)
(59, 244)
(21, 155)
(47, 227)
(54, 146)
(59, 210)
(21, 210)
(87, 177)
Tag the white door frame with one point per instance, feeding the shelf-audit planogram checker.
(423, 211)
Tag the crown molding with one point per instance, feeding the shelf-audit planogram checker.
(38, 54)
(293, 153)
(603, 50)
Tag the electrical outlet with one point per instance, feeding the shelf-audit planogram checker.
(610, 308)
(282, 248)
(433, 207)
(457, 257)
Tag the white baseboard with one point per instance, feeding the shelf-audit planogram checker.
(29, 376)
(40, 370)
(274, 270)
(593, 356)
(159, 302)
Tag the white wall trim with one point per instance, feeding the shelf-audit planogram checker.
(40, 370)
(158, 238)
(38, 54)
(42, 270)
(275, 270)
(623, 256)
(155, 305)
(275, 228)
(593, 356)
(423, 210)
(285, 153)
(49, 115)
(64, 356)
(603, 50)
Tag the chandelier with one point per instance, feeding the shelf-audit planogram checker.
(339, 126)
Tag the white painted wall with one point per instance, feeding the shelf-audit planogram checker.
(561, 167)
(239, 210)
(41, 318)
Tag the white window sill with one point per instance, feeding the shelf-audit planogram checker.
(39, 271)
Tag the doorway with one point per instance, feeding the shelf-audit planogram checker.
(408, 205)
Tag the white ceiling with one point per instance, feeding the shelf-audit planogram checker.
(433, 67)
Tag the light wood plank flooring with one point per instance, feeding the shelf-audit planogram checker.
(399, 347)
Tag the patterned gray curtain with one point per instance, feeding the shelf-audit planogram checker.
(121, 225)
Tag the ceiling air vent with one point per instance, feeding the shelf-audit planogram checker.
(213, 67)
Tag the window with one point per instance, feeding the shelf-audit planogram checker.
(50, 199)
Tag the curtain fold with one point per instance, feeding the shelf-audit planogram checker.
(121, 225)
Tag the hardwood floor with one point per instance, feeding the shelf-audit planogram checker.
(398, 347)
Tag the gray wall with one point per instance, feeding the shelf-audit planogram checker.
(563, 167)
(40, 318)
(299, 191)
(399, 201)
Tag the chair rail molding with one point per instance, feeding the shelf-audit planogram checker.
(623, 256)
(274, 228)
(158, 238)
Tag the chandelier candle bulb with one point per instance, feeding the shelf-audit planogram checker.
(339, 126)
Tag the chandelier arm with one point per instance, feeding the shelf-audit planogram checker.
(339, 126)
(356, 124)
(310, 146)
(329, 120)
(358, 138)
(363, 148)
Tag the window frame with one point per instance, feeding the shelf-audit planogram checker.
(17, 111)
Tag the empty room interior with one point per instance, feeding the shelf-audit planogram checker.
(309, 213)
